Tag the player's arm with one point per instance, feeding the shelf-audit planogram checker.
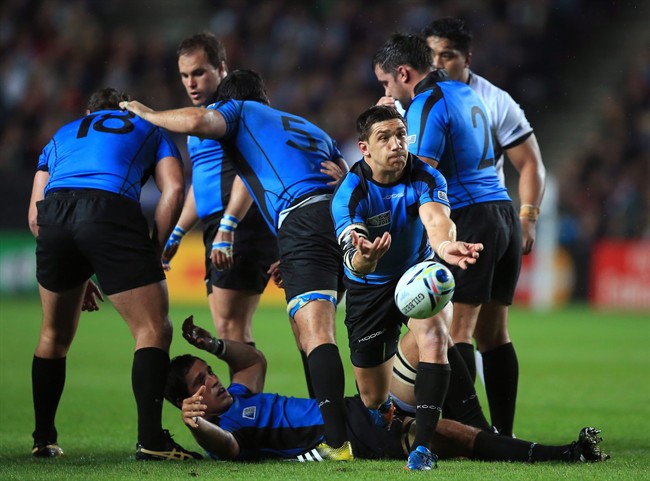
(38, 193)
(169, 179)
(238, 205)
(209, 436)
(198, 121)
(441, 232)
(186, 223)
(247, 364)
(527, 159)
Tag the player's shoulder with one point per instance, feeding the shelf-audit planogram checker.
(489, 92)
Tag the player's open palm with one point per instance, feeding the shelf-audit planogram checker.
(371, 251)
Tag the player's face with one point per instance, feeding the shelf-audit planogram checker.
(386, 149)
(200, 78)
(393, 86)
(449, 58)
(215, 396)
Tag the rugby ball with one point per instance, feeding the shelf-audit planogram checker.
(424, 290)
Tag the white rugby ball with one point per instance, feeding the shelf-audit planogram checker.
(424, 290)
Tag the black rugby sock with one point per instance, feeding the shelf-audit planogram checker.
(431, 384)
(48, 379)
(305, 367)
(148, 377)
(466, 351)
(462, 403)
(501, 371)
(328, 382)
(491, 447)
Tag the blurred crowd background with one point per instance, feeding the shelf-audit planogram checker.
(315, 58)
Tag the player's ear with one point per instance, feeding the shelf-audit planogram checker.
(403, 73)
(468, 59)
(363, 147)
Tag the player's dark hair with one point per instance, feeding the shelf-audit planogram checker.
(375, 114)
(243, 85)
(176, 386)
(403, 49)
(213, 47)
(106, 99)
(453, 29)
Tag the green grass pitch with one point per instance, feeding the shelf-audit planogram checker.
(578, 367)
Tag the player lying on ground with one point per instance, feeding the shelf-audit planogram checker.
(241, 422)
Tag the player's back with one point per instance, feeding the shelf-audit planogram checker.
(109, 150)
(278, 154)
(212, 177)
(452, 126)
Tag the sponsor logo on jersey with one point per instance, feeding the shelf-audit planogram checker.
(394, 196)
(516, 129)
(249, 412)
(379, 220)
(411, 139)
(443, 196)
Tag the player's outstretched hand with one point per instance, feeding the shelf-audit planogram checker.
(461, 254)
(195, 335)
(193, 408)
(91, 296)
(136, 107)
(386, 100)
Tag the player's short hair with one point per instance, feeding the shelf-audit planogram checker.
(106, 99)
(453, 29)
(375, 114)
(212, 46)
(242, 85)
(401, 49)
(176, 385)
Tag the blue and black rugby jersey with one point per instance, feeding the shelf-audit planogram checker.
(212, 175)
(389, 207)
(111, 150)
(272, 426)
(448, 122)
(278, 155)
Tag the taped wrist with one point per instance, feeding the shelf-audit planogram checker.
(177, 234)
(345, 241)
(216, 347)
(228, 223)
(529, 211)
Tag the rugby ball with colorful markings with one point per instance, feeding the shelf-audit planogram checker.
(424, 290)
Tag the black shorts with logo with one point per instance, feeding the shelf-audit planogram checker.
(254, 250)
(310, 257)
(495, 274)
(86, 232)
(374, 322)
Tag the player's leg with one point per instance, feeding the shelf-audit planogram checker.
(431, 379)
(500, 365)
(315, 321)
(461, 330)
(311, 265)
(61, 312)
(232, 313)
